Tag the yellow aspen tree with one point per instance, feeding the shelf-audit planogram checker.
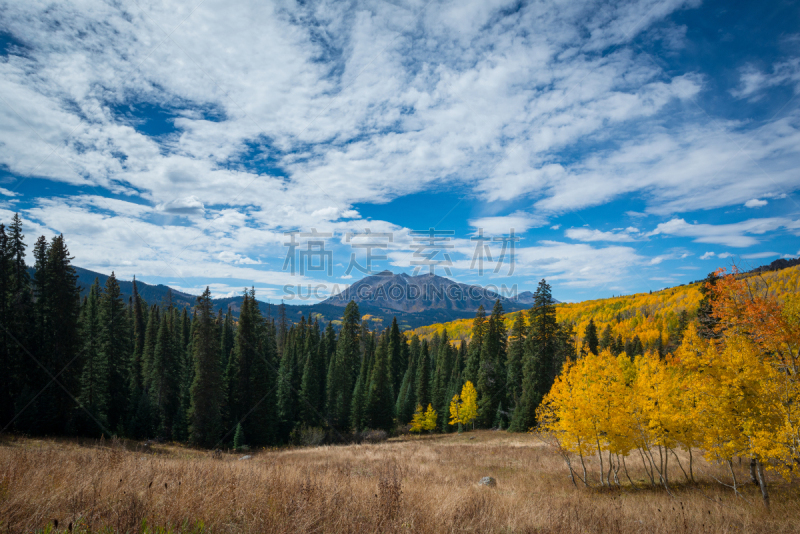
(455, 405)
(418, 421)
(469, 404)
(429, 420)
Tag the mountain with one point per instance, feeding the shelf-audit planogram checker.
(378, 312)
(422, 293)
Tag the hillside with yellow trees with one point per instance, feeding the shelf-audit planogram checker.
(646, 317)
(731, 389)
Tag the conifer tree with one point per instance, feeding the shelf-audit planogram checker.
(379, 411)
(94, 377)
(475, 346)
(164, 379)
(19, 320)
(58, 306)
(539, 359)
(516, 350)
(114, 348)
(358, 404)
(398, 362)
(312, 405)
(606, 339)
(205, 418)
(440, 389)
(149, 348)
(7, 367)
(343, 369)
(138, 325)
(591, 343)
(492, 373)
(254, 373)
(423, 392)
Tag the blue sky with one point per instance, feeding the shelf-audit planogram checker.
(631, 145)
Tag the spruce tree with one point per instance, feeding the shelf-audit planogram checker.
(606, 339)
(492, 373)
(423, 392)
(476, 344)
(94, 377)
(516, 350)
(7, 367)
(311, 386)
(255, 374)
(115, 348)
(164, 379)
(19, 321)
(205, 418)
(379, 411)
(539, 359)
(590, 340)
(58, 307)
(441, 381)
(138, 325)
(397, 356)
(343, 370)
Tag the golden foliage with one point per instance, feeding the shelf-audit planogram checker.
(737, 395)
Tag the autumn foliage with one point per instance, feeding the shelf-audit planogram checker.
(735, 393)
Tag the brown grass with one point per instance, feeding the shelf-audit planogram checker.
(404, 485)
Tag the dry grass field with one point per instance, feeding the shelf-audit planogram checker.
(426, 484)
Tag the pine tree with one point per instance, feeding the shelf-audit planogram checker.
(94, 377)
(238, 438)
(492, 373)
(607, 339)
(422, 386)
(115, 348)
(205, 418)
(312, 404)
(254, 374)
(444, 368)
(58, 311)
(138, 325)
(343, 369)
(398, 362)
(516, 349)
(539, 360)
(379, 411)
(591, 343)
(164, 379)
(7, 367)
(475, 346)
(19, 323)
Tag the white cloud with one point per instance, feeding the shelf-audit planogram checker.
(555, 227)
(7, 193)
(586, 234)
(502, 225)
(759, 255)
(753, 81)
(732, 235)
(707, 256)
(755, 203)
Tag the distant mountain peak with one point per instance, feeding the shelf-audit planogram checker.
(408, 293)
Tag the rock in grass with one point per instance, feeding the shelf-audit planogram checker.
(488, 481)
(245, 457)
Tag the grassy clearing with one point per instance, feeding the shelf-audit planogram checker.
(426, 484)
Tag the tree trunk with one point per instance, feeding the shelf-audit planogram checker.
(762, 482)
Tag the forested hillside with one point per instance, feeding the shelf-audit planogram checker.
(651, 318)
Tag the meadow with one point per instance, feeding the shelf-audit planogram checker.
(406, 484)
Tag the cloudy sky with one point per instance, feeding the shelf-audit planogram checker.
(630, 145)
